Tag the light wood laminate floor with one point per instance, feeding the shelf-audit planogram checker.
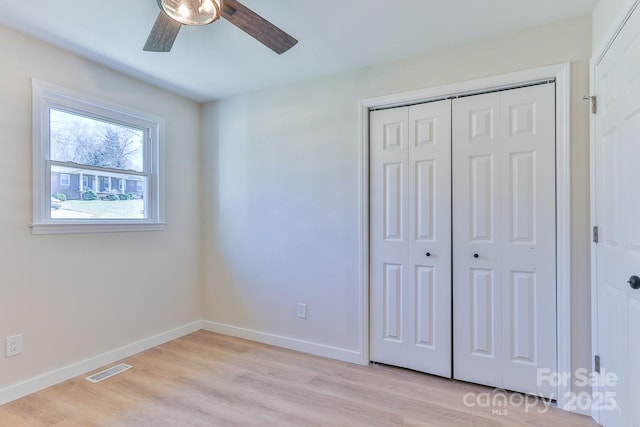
(207, 379)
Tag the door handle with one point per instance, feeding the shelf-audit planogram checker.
(634, 282)
(428, 254)
(476, 256)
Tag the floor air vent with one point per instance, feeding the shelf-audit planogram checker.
(108, 373)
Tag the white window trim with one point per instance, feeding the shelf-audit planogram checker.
(46, 96)
(67, 180)
(106, 187)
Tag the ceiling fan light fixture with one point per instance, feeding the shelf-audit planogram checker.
(192, 12)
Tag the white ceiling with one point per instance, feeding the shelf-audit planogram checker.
(219, 60)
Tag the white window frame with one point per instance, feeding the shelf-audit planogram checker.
(67, 180)
(46, 96)
(106, 187)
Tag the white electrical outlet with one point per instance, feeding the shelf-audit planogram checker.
(302, 311)
(14, 345)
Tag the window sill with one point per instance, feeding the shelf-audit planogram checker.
(108, 227)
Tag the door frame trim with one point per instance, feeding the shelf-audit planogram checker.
(598, 55)
(561, 73)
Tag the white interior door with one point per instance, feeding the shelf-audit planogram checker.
(410, 237)
(504, 256)
(617, 162)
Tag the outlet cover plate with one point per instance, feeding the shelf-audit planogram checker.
(14, 345)
(302, 311)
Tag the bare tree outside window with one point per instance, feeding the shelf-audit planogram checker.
(91, 142)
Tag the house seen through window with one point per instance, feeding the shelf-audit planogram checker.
(96, 168)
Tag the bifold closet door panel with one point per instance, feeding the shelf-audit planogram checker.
(477, 235)
(389, 235)
(504, 271)
(430, 237)
(529, 290)
(410, 230)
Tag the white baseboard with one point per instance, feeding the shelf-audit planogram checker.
(40, 382)
(285, 342)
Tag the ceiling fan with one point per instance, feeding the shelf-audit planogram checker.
(176, 13)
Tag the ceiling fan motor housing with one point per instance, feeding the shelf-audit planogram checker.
(192, 12)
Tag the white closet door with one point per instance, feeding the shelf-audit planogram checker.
(429, 322)
(504, 272)
(411, 237)
(389, 234)
(476, 231)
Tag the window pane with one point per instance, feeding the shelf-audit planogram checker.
(83, 140)
(92, 194)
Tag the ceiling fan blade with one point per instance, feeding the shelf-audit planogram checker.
(257, 27)
(163, 34)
